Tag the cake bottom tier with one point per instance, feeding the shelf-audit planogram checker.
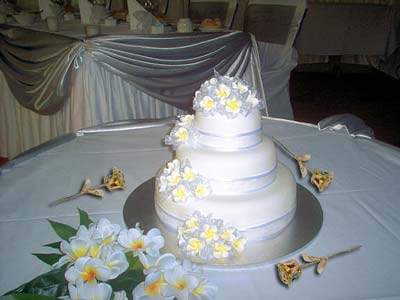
(257, 215)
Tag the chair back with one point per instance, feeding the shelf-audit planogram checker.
(222, 9)
(274, 21)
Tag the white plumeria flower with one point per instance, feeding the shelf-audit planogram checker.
(223, 91)
(174, 178)
(89, 270)
(204, 291)
(228, 234)
(186, 120)
(238, 244)
(156, 242)
(209, 233)
(233, 105)
(73, 250)
(180, 194)
(241, 87)
(189, 174)
(192, 223)
(133, 240)
(90, 291)
(194, 246)
(151, 289)
(121, 295)
(159, 264)
(201, 190)
(104, 232)
(182, 134)
(117, 264)
(207, 103)
(221, 250)
(180, 283)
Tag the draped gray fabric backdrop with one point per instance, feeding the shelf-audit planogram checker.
(169, 67)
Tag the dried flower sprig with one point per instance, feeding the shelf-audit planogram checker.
(291, 270)
(321, 179)
(111, 182)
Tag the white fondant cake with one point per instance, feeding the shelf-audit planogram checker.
(225, 166)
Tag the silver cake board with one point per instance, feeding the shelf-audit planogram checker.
(302, 230)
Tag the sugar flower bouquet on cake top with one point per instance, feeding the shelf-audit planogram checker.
(101, 261)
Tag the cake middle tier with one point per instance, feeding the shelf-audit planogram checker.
(233, 172)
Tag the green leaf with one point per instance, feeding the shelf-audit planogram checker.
(27, 297)
(134, 262)
(55, 245)
(64, 231)
(48, 258)
(51, 284)
(84, 218)
(127, 281)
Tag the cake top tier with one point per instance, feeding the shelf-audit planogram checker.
(227, 96)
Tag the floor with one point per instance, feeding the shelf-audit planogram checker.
(370, 95)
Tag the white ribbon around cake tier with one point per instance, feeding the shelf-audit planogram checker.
(236, 142)
(267, 230)
(242, 185)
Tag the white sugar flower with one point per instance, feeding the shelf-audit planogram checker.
(238, 244)
(172, 166)
(202, 190)
(221, 250)
(117, 264)
(189, 174)
(89, 270)
(163, 184)
(121, 295)
(223, 91)
(73, 250)
(241, 87)
(151, 289)
(182, 135)
(156, 242)
(180, 283)
(207, 103)
(228, 234)
(252, 100)
(213, 81)
(133, 240)
(192, 223)
(174, 178)
(180, 194)
(194, 246)
(90, 291)
(210, 233)
(204, 291)
(233, 105)
(186, 120)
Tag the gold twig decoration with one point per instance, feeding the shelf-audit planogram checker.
(321, 179)
(291, 270)
(111, 182)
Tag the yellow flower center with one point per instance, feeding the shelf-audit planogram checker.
(182, 134)
(208, 103)
(137, 245)
(192, 224)
(181, 192)
(181, 285)
(223, 92)
(154, 289)
(175, 179)
(233, 105)
(195, 244)
(226, 235)
(94, 250)
(199, 290)
(79, 252)
(210, 233)
(200, 190)
(89, 274)
(190, 175)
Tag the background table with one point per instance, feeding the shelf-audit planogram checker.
(360, 207)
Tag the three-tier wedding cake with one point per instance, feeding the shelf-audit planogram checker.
(226, 167)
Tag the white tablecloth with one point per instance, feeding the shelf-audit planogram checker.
(360, 207)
